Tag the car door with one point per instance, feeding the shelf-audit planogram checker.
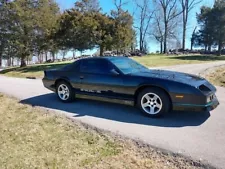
(99, 77)
(71, 73)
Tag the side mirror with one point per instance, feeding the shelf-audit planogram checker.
(114, 72)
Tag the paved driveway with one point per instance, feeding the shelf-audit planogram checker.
(199, 135)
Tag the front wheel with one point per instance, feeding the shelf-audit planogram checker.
(65, 92)
(153, 102)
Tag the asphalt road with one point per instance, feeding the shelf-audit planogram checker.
(198, 135)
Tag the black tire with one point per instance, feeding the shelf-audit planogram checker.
(166, 103)
(71, 92)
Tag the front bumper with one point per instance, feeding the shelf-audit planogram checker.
(195, 107)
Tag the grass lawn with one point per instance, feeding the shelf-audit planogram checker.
(217, 77)
(149, 61)
(34, 138)
(164, 60)
(32, 70)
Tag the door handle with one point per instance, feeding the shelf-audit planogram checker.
(81, 77)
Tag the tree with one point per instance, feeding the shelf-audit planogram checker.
(144, 16)
(24, 19)
(170, 11)
(218, 22)
(4, 23)
(104, 32)
(2, 38)
(76, 30)
(100, 25)
(193, 37)
(32, 21)
(119, 6)
(123, 27)
(187, 6)
(212, 26)
(123, 31)
(46, 26)
(85, 27)
(205, 36)
(88, 5)
(134, 41)
(158, 30)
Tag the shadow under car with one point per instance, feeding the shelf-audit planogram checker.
(117, 112)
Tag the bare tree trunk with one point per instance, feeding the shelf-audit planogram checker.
(0, 59)
(192, 39)
(23, 61)
(170, 12)
(219, 48)
(165, 38)
(161, 47)
(64, 54)
(101, 50)
(12, 61)
(184, 35)
(46, 56)
(185, 15)
(192, 44)
(141, 45)
(209, 48)
(9, 57)
(53, 56)
(38, 57)
(27, 60)
(42, 57)
(18, 62)
(9, 61)
(187, 6)
(74, 54)
(144, 16)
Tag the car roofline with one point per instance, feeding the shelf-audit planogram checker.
(102, 57)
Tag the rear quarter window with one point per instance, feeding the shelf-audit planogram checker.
(71, 67)
(96, 66)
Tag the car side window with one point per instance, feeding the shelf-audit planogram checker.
(72, 67)
(96, 66)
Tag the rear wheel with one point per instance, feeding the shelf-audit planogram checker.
(65, 91)
(153, 102)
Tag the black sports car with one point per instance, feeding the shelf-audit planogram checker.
(120, 79)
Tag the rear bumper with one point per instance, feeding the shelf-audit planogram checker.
(49, 84)
(192, 107)
(213, 105)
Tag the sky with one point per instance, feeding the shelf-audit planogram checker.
(107, 6)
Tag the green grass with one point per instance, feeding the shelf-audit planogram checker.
(32, 70)
(217, 77)
(149, 61)
(164, 60)
(34, 138)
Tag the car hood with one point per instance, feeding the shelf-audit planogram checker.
(190, 79)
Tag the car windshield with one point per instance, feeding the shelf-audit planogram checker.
(128, 66)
